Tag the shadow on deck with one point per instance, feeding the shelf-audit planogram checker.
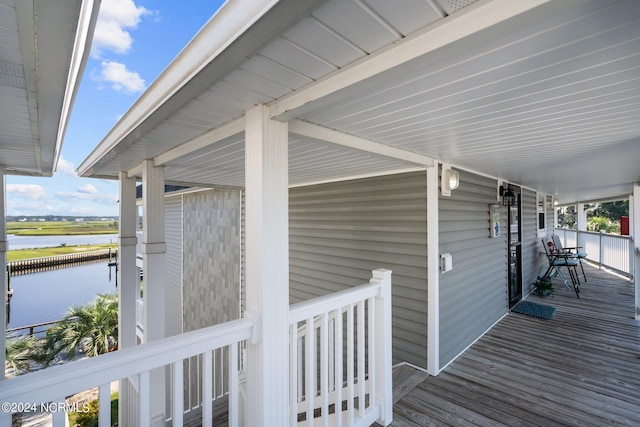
(581, 367)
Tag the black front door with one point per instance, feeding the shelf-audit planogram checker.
(514, 240)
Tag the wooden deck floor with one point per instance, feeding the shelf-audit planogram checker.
(581, 367)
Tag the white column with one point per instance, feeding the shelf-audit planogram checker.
(128, 285)
(581, 217)
(128, 279)
(433, 273)
(153, 250)
(267, 267)
(3, 266)
(635, 223)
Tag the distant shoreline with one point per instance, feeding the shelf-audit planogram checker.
(21, 254)
(61, 228)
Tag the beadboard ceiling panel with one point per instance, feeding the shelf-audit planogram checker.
(544, 97)
(43, 48)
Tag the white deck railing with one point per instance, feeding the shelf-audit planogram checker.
(341, 376)
(47, 389)
(607, 250)
(340, 356)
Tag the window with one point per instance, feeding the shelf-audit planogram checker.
(542, 203)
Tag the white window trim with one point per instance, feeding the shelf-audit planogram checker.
(541, 207)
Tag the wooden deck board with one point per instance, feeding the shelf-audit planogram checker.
(581, 367)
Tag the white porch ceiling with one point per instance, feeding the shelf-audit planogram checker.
(547, 97)
(43, 49)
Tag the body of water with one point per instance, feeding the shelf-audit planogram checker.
(26, 242)
(46, 296)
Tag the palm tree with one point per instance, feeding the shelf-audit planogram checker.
(18, 353)
(91, 329)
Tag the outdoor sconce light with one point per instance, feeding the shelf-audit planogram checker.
(449, 180)
(508, 196)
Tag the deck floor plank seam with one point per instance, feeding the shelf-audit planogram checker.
(581, 367)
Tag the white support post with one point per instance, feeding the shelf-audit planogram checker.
(635, 221)
(383, 350)
(128, 280)
(3, 265)
(153, 251)
(267, 267)
(128, 284)
(433, 273)
(581, 218)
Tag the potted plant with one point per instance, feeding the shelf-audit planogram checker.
(543, 287)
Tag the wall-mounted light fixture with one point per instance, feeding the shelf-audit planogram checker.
(508, 196)
(449, 179)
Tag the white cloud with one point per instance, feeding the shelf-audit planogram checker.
(27, 191)
(120, 78)
(115, 18)
(88, 189)
(65, 167)
(85, 195)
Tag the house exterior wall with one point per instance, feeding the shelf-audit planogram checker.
(211, 263)
(473, 295)
(173, 266)
(339, 232)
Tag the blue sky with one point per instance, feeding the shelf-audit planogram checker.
(134, 42)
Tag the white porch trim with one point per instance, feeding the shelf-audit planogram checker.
(128, 288)
(128, 278)
(267, 267)
(3, 265)
(153, 252)
(322, 133)
(634, 208)
(206, 139)
(433, 272)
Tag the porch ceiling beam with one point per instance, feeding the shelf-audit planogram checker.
(469, 21)
(322, 133)
(206, 139)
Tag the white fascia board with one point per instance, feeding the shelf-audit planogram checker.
(235, 32)
(469, 21)
(322, 133)
(80, 54)
(227, 24)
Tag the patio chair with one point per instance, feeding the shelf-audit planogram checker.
(557, 260)
(573, 252)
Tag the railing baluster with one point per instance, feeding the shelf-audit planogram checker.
(350, 373)
(104, 402)
(373, 336)
(178, 387)
(207, 392)
(310, 362)
(339, 366)
(59, 418)
(361, 360)
(293, 375)
(145, 398)
(324, 370)
(233, 385)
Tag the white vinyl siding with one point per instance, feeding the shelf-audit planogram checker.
(341, 231)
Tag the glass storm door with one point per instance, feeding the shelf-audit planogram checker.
(514, 240)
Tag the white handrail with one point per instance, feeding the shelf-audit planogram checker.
(57, 382)
(340, 356)
(607, 250)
